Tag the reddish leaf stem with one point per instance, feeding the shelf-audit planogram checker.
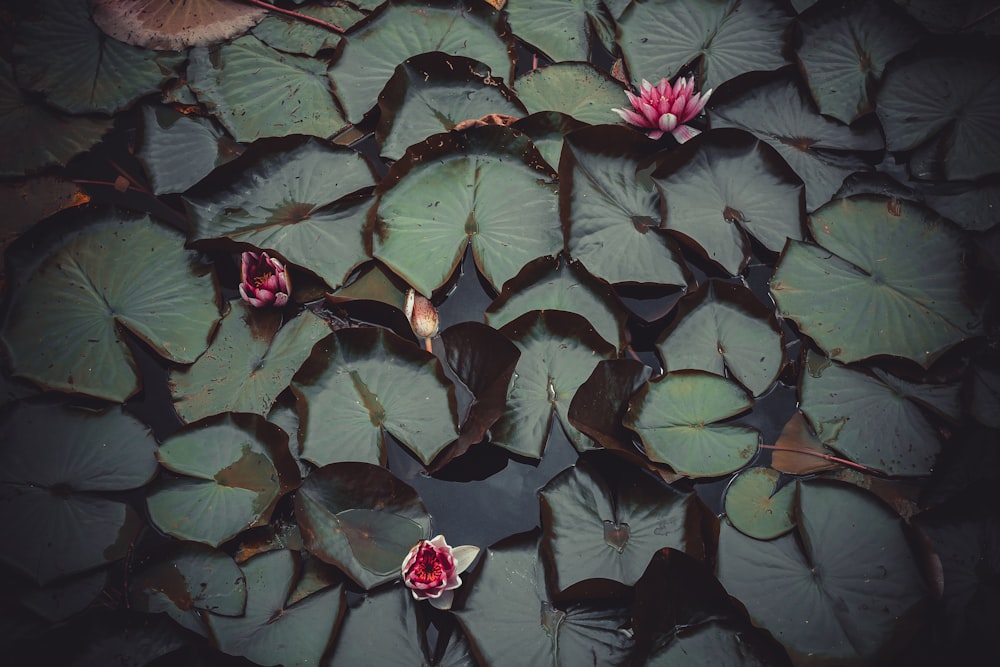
(828, 457)
(982, 17)
(299, 16)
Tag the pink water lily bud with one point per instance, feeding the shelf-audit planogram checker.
(422, 314)
(663, 109)
(263, 280)
(432, 567)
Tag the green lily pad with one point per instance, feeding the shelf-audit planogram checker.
(601, 401)
(848, 602)
(360, 384)
(778, 113)
(972, 206)
(454, 190)
(659, 37)
(959, 124)
(54, 460)
(611, 213)
(250, 361)
(402, 29)
(66, 597)
(271, 631)
(604, 519)
(231, 471)
(72, 298)
(725, 185)
(546, 130)
(560, 29)
(867, 419)
(85, 72)
(756, 507)
(723, 327)
(678, 418)
(294, 35)
(179, 150)
(888, 279)
(256, 91)
(293, 202)
(845, 49)
(432, 93)
(551, 284)
(37, 136)
(361, 518)
(389, 628)
(579, 90)
(558, 352)
(511, 619)
(711, 643)
(960, 16)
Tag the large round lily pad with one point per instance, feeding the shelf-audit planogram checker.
(888, 279)
(54, 462)
(174, 25)
(756, 506)
(576, 89)
(73, 297)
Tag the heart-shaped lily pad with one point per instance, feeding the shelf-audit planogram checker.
(756, 507)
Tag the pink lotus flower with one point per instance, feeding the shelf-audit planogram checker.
(432, 567)
(664, 108)
(263, 280)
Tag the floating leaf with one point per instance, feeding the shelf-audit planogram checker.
(250, 361)
(287, 201)
(66, 597)
(85, 71)
(295, 35)
(610, 212)
(73, 297)
(271, 631)
(848, 602)
(53, 462)
(869, 421)
(659, 37)
(558, 352)
(777, 112)
(579, 90)
(959, 123)
(756, 506)
(36, 136)
(888, 279)
(972, 206)
(799, 452)
(174, 25)
(844, 50)
(561, 30)
(453, 190)
(405, 28)
(361, 518)
(256, 91)
(723, 327)
(179, 150)
(546, 130)
(724, 185)
(606, 520)
(511, 620)
(433, 93)
(601, 402)
(232, 471)
(678, 418)
(360, 384)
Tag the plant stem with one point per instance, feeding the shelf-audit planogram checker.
(298, 15)
(828, 457)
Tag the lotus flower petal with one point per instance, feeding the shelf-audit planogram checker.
(665, 108)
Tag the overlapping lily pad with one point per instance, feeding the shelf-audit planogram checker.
(405, 28)
(74, 298)
(845, 49)
(511, 619)
(561, 29)
(293, 34)
(723, 327)
(433, 93)
(679, 418)
(173, 25)
(558, 352)
(360, 384)
(272, 631)
(756, 506)
(605, 520)
(659, 37)
(725, 185)
(579, 90)
(362, 519)
(888, 279)
(231, 471)
(453, 190)
(849, 602)
(257, 91)
(54, 464)
(287, 201)
(251, 360)
(777, 112)
(611, 209)
(85, 71)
